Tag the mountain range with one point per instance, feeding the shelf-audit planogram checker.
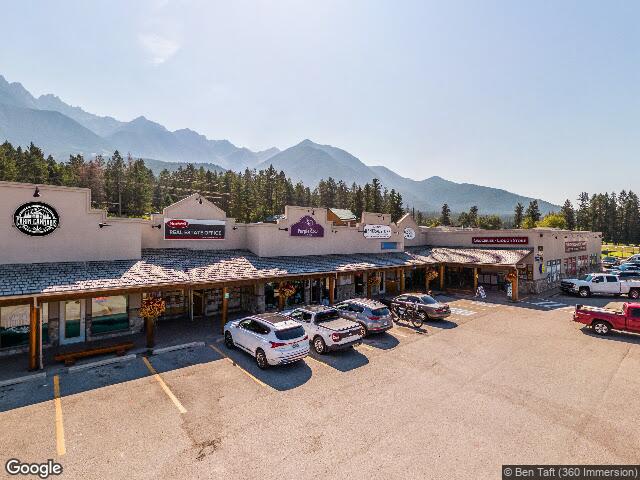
(61, 130)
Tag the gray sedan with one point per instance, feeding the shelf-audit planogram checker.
(428, 307)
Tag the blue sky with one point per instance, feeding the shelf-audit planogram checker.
(540, 97)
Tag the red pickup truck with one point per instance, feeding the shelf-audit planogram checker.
(603, 320)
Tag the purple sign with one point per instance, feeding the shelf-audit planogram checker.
(306, 227)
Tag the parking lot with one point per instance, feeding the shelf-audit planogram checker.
(494, 384)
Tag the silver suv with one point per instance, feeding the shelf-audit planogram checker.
(374, 316)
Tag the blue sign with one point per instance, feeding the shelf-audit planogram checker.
(389, 245)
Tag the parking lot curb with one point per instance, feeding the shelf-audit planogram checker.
(177, 347)
(25, 378)
(100, 363)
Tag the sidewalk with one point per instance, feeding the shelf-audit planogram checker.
(169, 333)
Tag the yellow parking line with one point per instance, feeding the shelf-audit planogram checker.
(60, 445)
(255, 379)
(164, 386)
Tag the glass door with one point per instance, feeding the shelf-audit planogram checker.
(72, 313)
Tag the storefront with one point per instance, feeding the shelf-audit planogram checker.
(87, 280)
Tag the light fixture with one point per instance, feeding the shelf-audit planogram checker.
(234, 228)
(103, 224)
(285, 229)
(158, 226)
(200, 200)
(36, 194)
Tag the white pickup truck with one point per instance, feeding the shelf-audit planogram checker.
(327, 331)
(601, 284)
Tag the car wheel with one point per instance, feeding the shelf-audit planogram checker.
(261, 359)
(601, 328)
(365, 332)
(318, 345)
(228, 340)
(584, 292)
(635, 294)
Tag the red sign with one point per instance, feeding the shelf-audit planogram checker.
(500, 240)
(178, 223)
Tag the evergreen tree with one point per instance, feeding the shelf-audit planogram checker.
(518, 216)
(445, 215)
(569, 215)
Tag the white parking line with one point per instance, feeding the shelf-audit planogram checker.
(462, 311)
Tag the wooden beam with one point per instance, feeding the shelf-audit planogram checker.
(401, 279)
(225, 306)
(441, 275)
(368, 284)
(150, 331)
(475, 279)
(514, 287)
(426, 279)
(280, 296)
(332, 286)
(34, 328)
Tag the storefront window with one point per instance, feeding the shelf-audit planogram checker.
(15, 323)
(109, 314)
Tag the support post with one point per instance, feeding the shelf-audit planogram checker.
(475, 279)
(281, 297)
(441, 275)
(426, 279)
(34, 328)
(225, 306)
(190, 300)
(368, 284)
(401, 278)
(514, 287)
(150, 330)
(332, 287)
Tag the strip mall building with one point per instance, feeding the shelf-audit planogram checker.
(69, 274)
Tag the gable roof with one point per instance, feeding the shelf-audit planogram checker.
(343, 214)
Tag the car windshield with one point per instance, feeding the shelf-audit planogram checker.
(609, 259)
(380, 312)
(428, 299)
(290, 333)
(585, 278)
(326, 316)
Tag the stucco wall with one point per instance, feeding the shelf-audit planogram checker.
(191, 208)
(78, 237)
(273, 240)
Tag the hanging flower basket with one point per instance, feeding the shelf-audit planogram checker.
(152, 307)
(287, 290)
(432, 274)
(511, 277)
(373, 280)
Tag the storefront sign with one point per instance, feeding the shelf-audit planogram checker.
(190, 229)
(307, 227)
(377, 231)
(36, 219)
(409, 233)
(500, 240)
(575, 246)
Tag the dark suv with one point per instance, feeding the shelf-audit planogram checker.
(428, 307)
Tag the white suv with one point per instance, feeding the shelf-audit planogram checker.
(272, 338)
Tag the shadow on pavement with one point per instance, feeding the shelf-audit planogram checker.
(383, 341)
(614, 336)
(343, 361)
(280, 377)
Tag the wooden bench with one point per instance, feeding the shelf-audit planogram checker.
(71, 357)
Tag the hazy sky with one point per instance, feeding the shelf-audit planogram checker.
(539, 97)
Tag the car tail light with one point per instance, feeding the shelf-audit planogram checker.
(335, 337)
(306, 337)
(373, 317)
(277, 344)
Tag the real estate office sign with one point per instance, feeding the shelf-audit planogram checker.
(191, 229)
